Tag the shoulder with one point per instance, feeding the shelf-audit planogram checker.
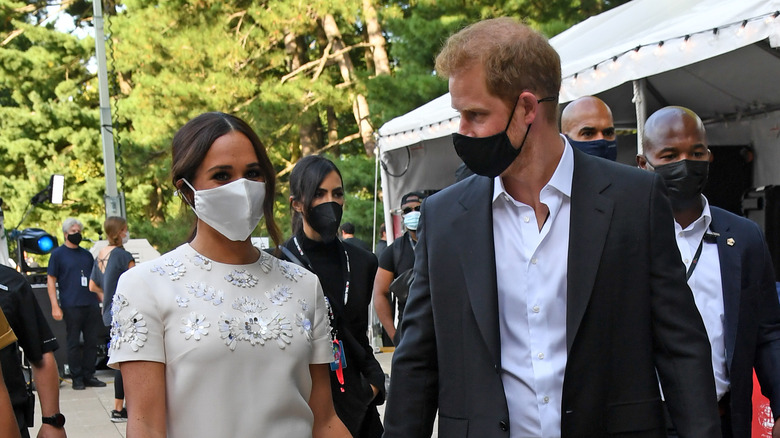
(722, 219)
(360, 254)
(11, 278)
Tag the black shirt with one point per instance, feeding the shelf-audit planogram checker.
(32, 331)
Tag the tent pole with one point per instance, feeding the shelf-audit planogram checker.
(640, 103)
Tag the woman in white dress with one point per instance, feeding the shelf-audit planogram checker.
(216, 338)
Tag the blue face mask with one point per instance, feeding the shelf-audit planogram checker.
(411, 220)
(598, 148)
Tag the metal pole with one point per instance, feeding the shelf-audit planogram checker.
(113, 201)
(640, 103)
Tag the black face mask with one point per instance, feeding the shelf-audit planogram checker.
(598, 148)
(685, 181)
(490, 156)
(74, 238)
(325, 220)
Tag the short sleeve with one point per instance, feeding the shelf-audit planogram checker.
(137, 327)
(386, 261)
(96, 275)
(322, 349)
(7, 336)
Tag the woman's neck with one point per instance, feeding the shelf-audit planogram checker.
(215, 246)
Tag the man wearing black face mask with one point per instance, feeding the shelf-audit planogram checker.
(547, 291)
(587, 124)
(69, 269)
(728, 266)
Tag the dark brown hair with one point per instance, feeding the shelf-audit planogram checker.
(113, 227)
(193, 141)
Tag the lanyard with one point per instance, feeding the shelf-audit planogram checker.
(347, 275)
(707, 237)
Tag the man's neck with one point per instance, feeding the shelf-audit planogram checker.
(70, 245)
(533, 168)
(688, 216)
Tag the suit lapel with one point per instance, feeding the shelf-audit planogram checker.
(478, 263)
(730, 267)
(591, 214)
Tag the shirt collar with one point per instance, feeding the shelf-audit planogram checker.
(561, 179)
(701, 224)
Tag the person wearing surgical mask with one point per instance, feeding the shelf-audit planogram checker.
(587, 124)
(346, 273)
(217, 338)
(111, 262)
(397, 259)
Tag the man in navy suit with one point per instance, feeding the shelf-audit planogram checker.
(728, 266)
(548, 288)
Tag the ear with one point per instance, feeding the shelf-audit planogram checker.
(296, 205)
(527, 107)
(712, 156)
(641, 161)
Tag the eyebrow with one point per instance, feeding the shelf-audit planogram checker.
(229, 167)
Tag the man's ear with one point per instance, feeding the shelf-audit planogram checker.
(641, 161)
(712, 156)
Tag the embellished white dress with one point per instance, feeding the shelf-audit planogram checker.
(236, 341)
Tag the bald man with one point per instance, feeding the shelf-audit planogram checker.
(728, 266)
(587, 123)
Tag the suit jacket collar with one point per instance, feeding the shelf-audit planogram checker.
(591, 215)
(730, 260)
(475, 219)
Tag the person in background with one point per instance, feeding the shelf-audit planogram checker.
(348, 235)
(8, 425)
(381, 244)
(548, 296)
(217, 338)
(394, 262)
(112, 261)
(346, 273)
(18, 303)
(69, 268)
(728, 266)
(587, 124)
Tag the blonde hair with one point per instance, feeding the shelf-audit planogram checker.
(515, 57)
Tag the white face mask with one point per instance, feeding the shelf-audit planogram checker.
(126, 238)
(234, 209)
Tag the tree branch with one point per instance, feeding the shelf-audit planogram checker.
(317, 62)
(344, 140)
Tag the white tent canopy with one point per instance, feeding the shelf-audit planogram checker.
(716, 57)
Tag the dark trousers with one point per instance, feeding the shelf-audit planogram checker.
(83, 321)
(119, 387)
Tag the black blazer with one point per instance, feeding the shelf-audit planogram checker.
(629, 313)
(356, 406)
(752, 314)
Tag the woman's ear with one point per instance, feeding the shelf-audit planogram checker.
(296, 205)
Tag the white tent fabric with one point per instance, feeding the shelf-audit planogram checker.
(716, 57)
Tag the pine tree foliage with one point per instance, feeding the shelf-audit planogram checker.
(311, 76)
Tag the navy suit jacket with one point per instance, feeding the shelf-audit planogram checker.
(752, 315)
(629, 313)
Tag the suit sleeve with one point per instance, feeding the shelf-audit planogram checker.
(413, 396)
(681, 346)
(767, 364)
(369, 366)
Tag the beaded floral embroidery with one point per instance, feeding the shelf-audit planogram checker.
(290, 271)
(253, 327)
(194, 326)
(279, 295)
(126, 329)
(304, 324)
(241, 278)
(266, 261)
(207, 293)
(182, 301)
(201, 262)
(174, 269)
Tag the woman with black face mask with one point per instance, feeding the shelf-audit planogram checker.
(347, 275)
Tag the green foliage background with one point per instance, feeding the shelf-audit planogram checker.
(171, 60)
